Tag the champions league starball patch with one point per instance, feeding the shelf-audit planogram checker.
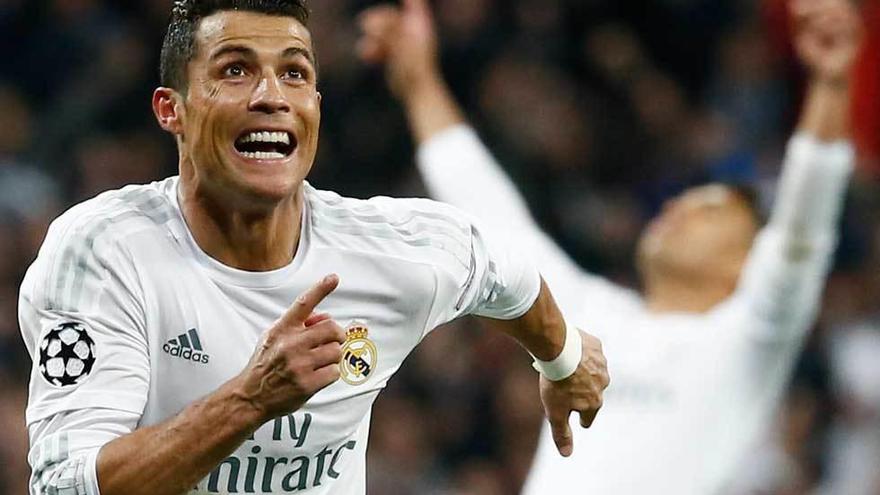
(67, 355)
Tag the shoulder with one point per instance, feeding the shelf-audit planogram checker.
(110, 217)
(97, 234)
(415, 228)
(88, 250)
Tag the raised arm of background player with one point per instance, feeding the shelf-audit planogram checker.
(454, 163)
(782, 280)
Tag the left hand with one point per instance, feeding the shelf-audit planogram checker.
(581, 392)
(827, 35)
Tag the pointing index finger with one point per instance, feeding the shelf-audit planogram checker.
(305, 304)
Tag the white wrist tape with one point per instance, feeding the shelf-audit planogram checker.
(566, 363)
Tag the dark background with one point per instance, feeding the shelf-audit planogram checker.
(599, 108)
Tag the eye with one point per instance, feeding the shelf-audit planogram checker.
(294, 74)
(234, 70)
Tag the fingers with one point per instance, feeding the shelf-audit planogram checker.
(327, 354)
(562, 436)
(371, 51)
(322, 333)
(814, 13)
(378, 21)
(305, 304)
(419, 7)
(326, 375)
(587, 418)
(827, 35)
(802, 8)
(316, 318)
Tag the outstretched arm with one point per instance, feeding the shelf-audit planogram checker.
(785, 273)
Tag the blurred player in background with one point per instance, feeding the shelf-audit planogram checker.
(175, 338)
(702, 356)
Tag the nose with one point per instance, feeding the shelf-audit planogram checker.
(268, 97)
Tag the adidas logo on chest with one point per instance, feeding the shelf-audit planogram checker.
(187, 346)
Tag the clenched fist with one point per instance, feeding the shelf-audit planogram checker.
(827, 35)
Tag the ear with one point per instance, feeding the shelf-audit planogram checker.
(169, 110)
(320, 97)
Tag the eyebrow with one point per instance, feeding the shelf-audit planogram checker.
(295, 51)
(291, 52)
(242, 50)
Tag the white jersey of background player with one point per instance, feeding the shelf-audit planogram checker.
(176, 348)
(701, 359)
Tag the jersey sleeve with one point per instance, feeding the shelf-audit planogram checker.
(496, 281)
(64, 449)
(783, 278)
(458, 169)
(81, 313)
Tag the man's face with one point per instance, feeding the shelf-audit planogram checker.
(252, 111)
(705, 230)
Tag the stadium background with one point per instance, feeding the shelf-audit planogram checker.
(599, 108)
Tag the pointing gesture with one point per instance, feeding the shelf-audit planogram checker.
(580, 393)
(297, 357)
(305, 304)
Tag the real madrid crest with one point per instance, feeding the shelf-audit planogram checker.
(359, 355)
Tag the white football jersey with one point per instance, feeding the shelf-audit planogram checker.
(128, 321)
(689, 392)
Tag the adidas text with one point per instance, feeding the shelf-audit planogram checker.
(187, 346)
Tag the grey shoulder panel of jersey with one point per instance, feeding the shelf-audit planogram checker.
(381, 223)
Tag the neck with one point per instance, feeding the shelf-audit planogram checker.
(672, 295)
(258, 239)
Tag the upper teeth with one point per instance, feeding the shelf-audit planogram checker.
(266, 137)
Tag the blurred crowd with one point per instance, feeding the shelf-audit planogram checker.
(600, 109)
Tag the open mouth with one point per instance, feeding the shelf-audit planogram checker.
(265, 145)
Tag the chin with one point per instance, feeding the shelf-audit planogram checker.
(269, 181)
(269, 192)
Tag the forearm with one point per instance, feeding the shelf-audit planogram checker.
(825, 114)
(456, 166)
(574, 372)
(817, 167)
(429, 105)
(171, 457)
(541, 330)
(786, 270)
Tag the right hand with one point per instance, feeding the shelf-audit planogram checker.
(297, 357)
(403, 38)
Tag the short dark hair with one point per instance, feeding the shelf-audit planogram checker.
(179, 47)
